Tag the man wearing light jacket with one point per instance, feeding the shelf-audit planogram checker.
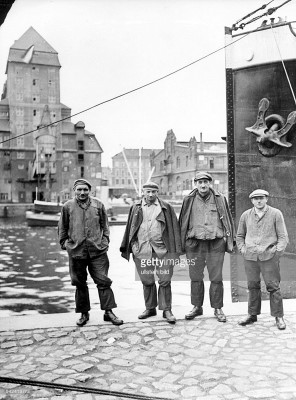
(262, 238)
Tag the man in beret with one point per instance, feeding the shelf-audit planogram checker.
(84, 233)
(152, 235)
(207, 231)
(262, 238)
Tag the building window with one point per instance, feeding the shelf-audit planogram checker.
(19, 81)
(51, 99)
(20, 141)
(81, 172)
(19, 96)
(20, 155)
(66, 168)
(19, 112)
(187, 161)
(34, 82)
(211, 162)
(36, 99)
(129, 181)
(80, 157)
(80, 145)
(122, 181)
(65, 155)
(117, 181)
(136, 181)
(3, 196)
(178, 162)
(161, 165)
(21, 166)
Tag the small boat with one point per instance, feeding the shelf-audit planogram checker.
(48, 207)
(42, 219)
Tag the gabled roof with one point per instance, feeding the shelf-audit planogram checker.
(32, 48)
(32, 37)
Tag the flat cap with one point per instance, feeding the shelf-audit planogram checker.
(258, 193)
(150, 185)
(203, 175)
(81, 181)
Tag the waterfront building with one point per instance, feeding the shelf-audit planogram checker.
(38, 157)
(177, 163)
(130, 169)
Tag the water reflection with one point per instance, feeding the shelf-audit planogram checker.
(33, 270)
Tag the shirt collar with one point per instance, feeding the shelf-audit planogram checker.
(144, 203)
(261, 212)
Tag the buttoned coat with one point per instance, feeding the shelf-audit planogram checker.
(224, 215)
(170, 229)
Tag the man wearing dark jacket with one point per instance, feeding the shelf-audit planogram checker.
(84, 233)
(207, 231)
(152, 235)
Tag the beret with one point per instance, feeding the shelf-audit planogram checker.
(203, 175)
(150, 185)
(81, 181)
(258, 193)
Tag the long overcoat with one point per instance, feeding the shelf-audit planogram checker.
(170, 229)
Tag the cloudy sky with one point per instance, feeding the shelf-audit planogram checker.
(109, 47)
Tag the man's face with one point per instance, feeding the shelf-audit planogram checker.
(203, 186)
(259, 202)
(81, 192)
(150, 195)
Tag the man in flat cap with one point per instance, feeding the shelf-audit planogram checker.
(262, 238)
(152, 235)
(84, 233)
(207, 231)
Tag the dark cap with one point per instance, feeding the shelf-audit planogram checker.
(258, 193)
(150, 185)
(203, 175)
(81, 181)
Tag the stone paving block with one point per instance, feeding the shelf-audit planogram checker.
(221, 389)
(264, 393)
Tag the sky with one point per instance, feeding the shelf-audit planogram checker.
(109, 47)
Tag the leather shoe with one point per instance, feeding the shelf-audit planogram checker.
(194, 312)
(250, 319)
(110, 316)
(169, 316)
(147, 313)
(219, 314)
(280, 323)
(83, 319)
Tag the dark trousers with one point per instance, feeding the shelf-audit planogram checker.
(270, 271)
(210, 253)
(147, 270)
(98, 269)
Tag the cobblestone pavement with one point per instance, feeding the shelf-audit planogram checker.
(199, 359)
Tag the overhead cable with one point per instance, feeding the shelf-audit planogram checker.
(130, 91)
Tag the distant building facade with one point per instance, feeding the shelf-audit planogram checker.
(43, 163)
(127, 175)
(177, 163)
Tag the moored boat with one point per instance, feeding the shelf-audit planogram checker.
(47, 207)
(42, 219)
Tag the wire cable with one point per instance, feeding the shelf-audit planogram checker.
(132, 90)
(53, 385)
(287, 76)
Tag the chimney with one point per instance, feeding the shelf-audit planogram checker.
(201, 145)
